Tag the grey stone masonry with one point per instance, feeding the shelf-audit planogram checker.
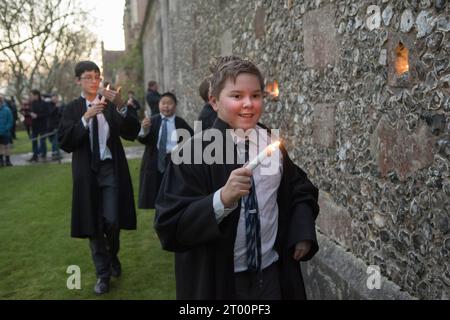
(334, 273)
(363, 108)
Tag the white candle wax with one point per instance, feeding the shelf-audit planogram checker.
(103, 98)
(263, 155)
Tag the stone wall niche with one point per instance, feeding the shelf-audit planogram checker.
(402, 59)
(324, 132)
(272, 90)
(398, 150)
(320, 42)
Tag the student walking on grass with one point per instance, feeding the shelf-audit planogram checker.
(237, 233)
(102, 198)
(159, 135)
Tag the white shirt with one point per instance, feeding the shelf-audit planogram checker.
(172, 137)
(103, 130)
(266, 192)
(171, 133)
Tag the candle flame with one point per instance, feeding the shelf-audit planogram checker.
(401, 60)
(272, 147)
(107, 87)
(272, 89)
(276, 92)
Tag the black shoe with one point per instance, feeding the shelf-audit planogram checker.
(102, 286)
(2, 164)
(8, 163)
(116, 268)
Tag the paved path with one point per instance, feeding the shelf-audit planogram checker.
(21, 159)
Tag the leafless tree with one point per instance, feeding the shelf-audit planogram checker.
(39, 43)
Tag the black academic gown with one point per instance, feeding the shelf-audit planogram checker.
(152, 98)
(74, 137)
(42, 110)
(149, 179)
(207, 116)
(204, 250)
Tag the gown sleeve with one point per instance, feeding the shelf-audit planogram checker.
(184, 207)
(71, 131)
(304, 210)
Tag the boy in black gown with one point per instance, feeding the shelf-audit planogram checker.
(237, 233)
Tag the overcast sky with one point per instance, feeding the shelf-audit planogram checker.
(108, 27)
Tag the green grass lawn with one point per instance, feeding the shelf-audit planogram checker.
(36, 247)
(23, 144)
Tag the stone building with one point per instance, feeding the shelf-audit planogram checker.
(111, 71)
(363, 105)
(133, 20)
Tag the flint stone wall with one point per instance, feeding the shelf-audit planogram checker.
(379, 150)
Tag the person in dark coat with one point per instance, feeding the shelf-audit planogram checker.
(132, 104)
(56, 110)
(207, 116)
(237, 233)
(153, 97)
(40, 112)
(27, 120)
(102, 197)
(6, 122)
(13, 106)
(150, 135)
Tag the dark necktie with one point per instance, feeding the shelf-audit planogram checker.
(95, 161)
(252, 224)
(162, 152)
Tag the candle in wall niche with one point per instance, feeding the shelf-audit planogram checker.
(267, 152)
(272, 90)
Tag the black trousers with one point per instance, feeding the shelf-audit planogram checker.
(105, 246)
(264, 285)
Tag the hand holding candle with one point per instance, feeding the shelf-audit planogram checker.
(114, 97)
(147, 112)
(103, 97)
(267, 152)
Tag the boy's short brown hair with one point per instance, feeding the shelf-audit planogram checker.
(229, 67)
(203, 89)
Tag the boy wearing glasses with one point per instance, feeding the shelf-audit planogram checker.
(102, 198)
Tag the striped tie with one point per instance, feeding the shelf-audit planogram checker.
(95, 156)
(252, 224)
(162, 152)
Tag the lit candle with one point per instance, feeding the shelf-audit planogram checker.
(103, 98)
(267, 152)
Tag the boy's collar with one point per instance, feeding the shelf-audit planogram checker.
(84, 97)
(221, 125)
(172, 117)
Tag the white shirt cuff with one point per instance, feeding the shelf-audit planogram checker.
(85, 123)
(123, 111)
(143, 132)
(219, 209)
